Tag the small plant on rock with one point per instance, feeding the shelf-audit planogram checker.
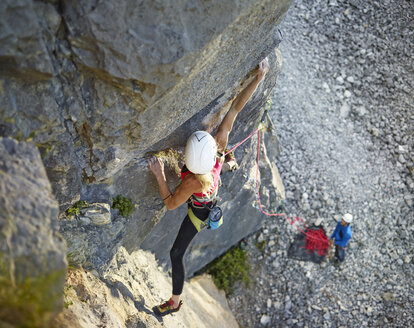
(232, 266)
(261, 245)
(28, 301)
(76, 208)
(66, 298)
(124, 205)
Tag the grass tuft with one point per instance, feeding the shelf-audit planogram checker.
(261, 245)
(76, 208)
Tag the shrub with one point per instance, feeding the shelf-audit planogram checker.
(124, 205)
(232, 266)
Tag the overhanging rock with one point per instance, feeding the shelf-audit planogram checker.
(114, 81)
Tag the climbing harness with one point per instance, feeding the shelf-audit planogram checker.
(206, 200)
(198, 224)
(214, 220)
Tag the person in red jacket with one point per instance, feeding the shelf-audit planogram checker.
(200, 178)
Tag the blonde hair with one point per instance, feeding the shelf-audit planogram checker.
(206, 181)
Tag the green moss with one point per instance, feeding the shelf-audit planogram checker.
(72, 259)
(229, 268)
(66, 291)
(66, 304)
(44, 149)
(31, 136)
(28, 302)
(76, 208)
(28, 139)
(124, 205)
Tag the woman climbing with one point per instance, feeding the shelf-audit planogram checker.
(200, 176)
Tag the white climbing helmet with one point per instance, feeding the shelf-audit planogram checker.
(200, 152)
(347, 218)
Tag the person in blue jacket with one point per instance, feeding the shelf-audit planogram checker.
(341, 236)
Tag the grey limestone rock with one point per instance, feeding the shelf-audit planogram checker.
(100, 86)
(32, 251)
(23, 51)
(97, 213)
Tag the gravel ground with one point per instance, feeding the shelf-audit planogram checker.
(344, 111)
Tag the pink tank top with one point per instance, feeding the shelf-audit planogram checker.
(216, 179)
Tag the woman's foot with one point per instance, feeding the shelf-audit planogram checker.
(167, 308)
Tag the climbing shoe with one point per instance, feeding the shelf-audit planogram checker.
(166, 308)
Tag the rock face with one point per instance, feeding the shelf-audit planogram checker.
(130, 286)
(101, 85)
(240, 208)
(32, 252)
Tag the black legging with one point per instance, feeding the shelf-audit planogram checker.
(184, 237)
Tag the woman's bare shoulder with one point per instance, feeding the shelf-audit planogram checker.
(191, 182)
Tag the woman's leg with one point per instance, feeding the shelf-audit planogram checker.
(185, 236)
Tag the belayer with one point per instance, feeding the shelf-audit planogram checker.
(200, 180)
(341, 236)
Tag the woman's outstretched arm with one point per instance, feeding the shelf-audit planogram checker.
(174, 199)
(237, 105)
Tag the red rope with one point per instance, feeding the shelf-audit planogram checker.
(319, 242)
(315, 239)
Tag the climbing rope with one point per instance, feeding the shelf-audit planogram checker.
(315, 239)
(244, 140)
(260, 126)
(319, 242)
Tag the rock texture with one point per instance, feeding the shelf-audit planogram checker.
(32, 252)
(344, 113)
(237, 194)
(130, 287)
(98, 86)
